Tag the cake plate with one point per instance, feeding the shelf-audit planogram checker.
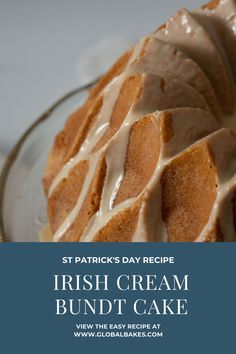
(23, 206)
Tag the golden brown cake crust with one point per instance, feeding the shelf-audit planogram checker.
(90, 207)
(186, 205)
(144, 145)
(66, 194)
(121, 228)
(211, 5)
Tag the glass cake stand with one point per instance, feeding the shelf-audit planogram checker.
(23, 209)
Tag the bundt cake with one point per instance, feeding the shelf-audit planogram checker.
(151, 155)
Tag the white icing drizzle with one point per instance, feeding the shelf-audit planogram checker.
(141, 232)
(110, 96)
(152, 226)
(98, 129)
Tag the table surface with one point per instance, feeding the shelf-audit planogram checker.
(45, 47)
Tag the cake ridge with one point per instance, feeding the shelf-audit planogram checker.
(198, 44)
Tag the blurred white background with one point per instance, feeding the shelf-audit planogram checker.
(48, 47)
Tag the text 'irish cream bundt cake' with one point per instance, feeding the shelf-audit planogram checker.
(151, 155)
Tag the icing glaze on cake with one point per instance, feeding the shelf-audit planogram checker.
(151, 155)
